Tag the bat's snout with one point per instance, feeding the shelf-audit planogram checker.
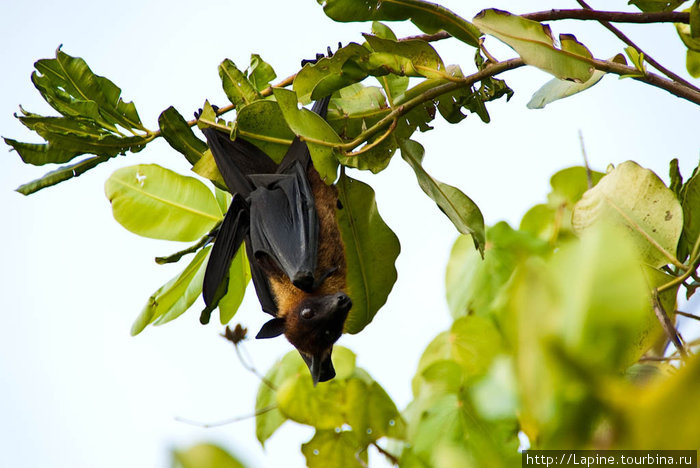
(343, 302)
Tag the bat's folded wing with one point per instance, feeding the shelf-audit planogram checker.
(233, 230)
(236, 159)
(284, 224)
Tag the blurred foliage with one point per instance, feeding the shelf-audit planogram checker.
(562, 326)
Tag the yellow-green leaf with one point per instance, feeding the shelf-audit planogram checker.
(152, 201)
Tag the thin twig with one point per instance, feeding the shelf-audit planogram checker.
(390, 456)
(250, 368)
(227, 421)
(589, 176)
(666, 324)
(693, 265)
(686, 314)
(583, 14)
(659, 358)
(612, 16)
(647, 57)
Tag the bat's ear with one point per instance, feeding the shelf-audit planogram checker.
(271, 329)
(320, 366)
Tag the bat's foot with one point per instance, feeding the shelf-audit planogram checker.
(320, 56)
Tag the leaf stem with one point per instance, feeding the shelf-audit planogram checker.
(375, 142)
(192, 249)
(269, 139)
(695, 255)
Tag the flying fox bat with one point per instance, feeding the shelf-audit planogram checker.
(286, 215)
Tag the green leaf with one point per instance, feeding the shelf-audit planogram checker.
(309, 125)
(204, 456)
(695, 20)
(70, 87)
(352, 398)
(179, 135)
(356, 108)
(637, 199)
(176, 296)
(496, 395)
(552, 222)
(68, 137)
(474, 343)
(606, 317)
(239, 276)
(422, 59)
(692, 63)
(559, 89)
(339, 449)
(383, 31)
(463, 353)
(683, 30)
(393, 85)
(637, 59)
(458, 207)
(656, 5)
(576, 322)
(658, 416)
(289, 367)
(569, 185)
(152, 201)
(61, 174)
(674, 174)
(473, 284)
(207, 168)
(445, 421)
(262, 123)
(39, 154)
(371, 248)
(260, 73)
(329, 74)
(223, 198)
(534, 43)
(238, 89)
(690, 202)
(429, 17)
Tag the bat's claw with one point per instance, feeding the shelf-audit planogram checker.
(320, 56)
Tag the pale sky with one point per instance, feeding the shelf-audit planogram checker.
(77, 391)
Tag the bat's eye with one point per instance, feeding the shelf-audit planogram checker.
(307, 313)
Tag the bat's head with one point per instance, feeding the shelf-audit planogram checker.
(313, 326)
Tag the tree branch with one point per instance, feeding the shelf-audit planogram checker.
(647, 57)
(612, 16)
(582, 14)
